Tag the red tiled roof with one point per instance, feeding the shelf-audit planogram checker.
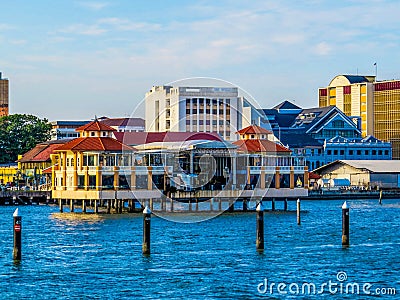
(138, 138)
(95, 144)
(259, 146)
(253, 129)
(124, 122)
(95, 126)
(41, 152)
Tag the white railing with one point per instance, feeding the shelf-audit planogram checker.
(299, 169)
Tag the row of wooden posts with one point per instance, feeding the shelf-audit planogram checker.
(17, 226)
(259, 230)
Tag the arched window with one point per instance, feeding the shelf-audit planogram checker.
(72, 162)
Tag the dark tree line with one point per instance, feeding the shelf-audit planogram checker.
(19, 133)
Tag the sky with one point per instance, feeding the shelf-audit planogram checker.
(72, 60)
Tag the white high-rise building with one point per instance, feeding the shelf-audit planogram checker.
(198, 109)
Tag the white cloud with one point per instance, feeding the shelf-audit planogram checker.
(5, 27)
(83, 29)
(127, 25)
(107, 25)
(95, 6)
(18, 42)
(322, 48)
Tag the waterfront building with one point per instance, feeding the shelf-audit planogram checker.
(202, 109)
(90, 163)
(65, 129)
(4, 94)
(376, 103)
(125, 124)
(323, 134)
(264, 150)
(363, 173)
(32, 165)
(8, 174)
(96, 166)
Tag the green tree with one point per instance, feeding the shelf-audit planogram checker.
(20, 133)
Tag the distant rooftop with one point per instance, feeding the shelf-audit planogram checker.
(286, 105)
(139, 122)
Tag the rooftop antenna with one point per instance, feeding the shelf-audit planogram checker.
(376, 71)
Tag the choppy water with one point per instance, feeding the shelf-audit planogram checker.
(101, 258)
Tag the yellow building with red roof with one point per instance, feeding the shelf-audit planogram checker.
(265, 151)
(90, 164)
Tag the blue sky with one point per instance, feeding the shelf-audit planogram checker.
(76, 59)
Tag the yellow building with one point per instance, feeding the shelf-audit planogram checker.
(91, 166)
(376, 103)
(32, 163)
(8, 173)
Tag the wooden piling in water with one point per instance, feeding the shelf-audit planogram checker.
(60, 203)
(116, 208)
(162, 208)
(146, 231)
(197, 204)
(231, 206)
(172, 205)
(260, 227)
(273, 204)
(244, 204)
(285, 204)
(17, 226)
(71, 205)
(96, 207)
(220, 204)
(345, 225)
(109, 206)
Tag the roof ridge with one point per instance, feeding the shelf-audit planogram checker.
(101, 142)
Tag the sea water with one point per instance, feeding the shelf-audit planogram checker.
(99, 257)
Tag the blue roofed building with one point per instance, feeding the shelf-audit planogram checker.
(323, 134)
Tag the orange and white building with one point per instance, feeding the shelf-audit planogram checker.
(376, 103)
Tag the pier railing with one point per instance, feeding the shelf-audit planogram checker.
(163, 178)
